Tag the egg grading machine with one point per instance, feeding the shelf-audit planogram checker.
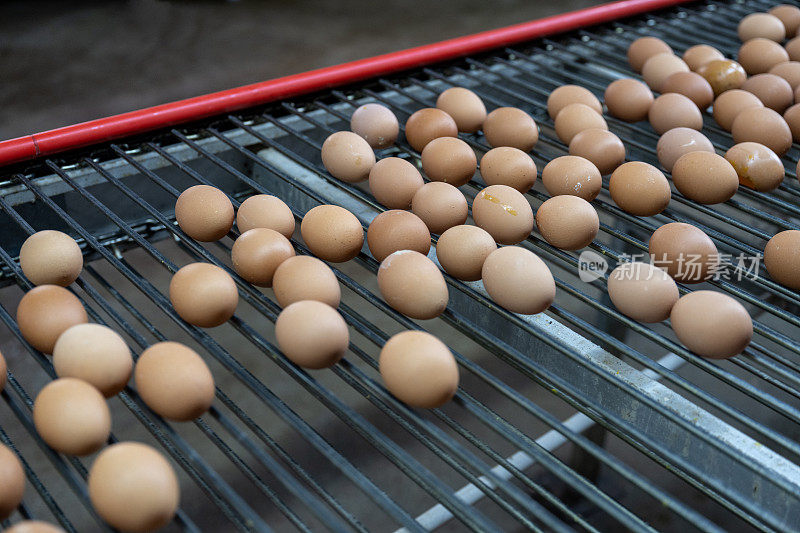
(575, 419)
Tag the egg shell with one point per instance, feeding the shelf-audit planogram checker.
(574, 118)
(781, 257)
(312, 334)
(396, 230)
(759, 55)
(691, 85)
(705, 177)
(51, 257)
(462, 250)
(765, 126)
(761, 25)
(628, 99)
(509, 126)
(303, 277)
(332, 233)
(504, 213)
(789, 15)
(265, 211)
(449, 160)
(33, 526)
(204, 294)
(712, 324)
(757, 166)
(643, 49)
(347, 156)
(792, 118)
(418, 369)
(698, 55)
(3, 372)
(12, 489)
(204, 213)
(440, 206)
(466, 108)
(601, 147)
(256, 254)
(428, 124)
(773, 91)
(684, 251)
(788, 70)
(571, 94)
(517, 280)
(505, 165)
(174, 381)
(639, 189)
(679, 141)
(47, 311)
(567, 222)
(642, 291)
(393, 182)
(376, 124)
(659, 67)
(133, 487)
(793, 49)
(573, 175)
(729, 104)
(96, 354)
(673, 110)
(723, 75)
(413, 285)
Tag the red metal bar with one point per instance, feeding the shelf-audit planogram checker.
(113, 127)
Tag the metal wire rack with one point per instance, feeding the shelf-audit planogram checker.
(575, 419)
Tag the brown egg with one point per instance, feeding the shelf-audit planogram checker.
(761, 25)
(13, 487)
(47, 311)
(773, 91)
(517, 280)
(691, 85)
(642, 292)
(413, 285)
(792, 118)
(789, 15)
(257, 253)
(347, 156)
(759, 55)
(3, 372)
(565, 95)
(601, 147)
(729, 104)
(705, 177)
(723, 75)
(509, 126)
(793, 49)
(505, 165)
(204, 294)
(684, 251)
(567, 222)
(570, 174)
(797, 94)
(303, 277)
(765, 126)
(396, 230)
(96, 354)
(673, 110)
(174, 381)
(204, 213)
(574, 118)
(440, 206)
(133, 487)
(428, 124)
(419, 369)
(788, 70)
(461, 251)
(678, 141)
(643, 49)
(628, 99)
(312, 334)
(376, 124)
(72, 417)
(332, 233)
(659, 67)
(756, 165)
(700, 54)
(265, 211)
(466, 108)
(51, 258)
(639, 189)
(449, 160)
(503, 212)
(781, 257)
(393, 182)
(33, 526)
(712, 324)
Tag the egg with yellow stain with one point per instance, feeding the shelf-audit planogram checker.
(757, 166)
(504, 213)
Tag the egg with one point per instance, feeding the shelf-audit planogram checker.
(174, 381)
(204, 294)
(789, 15)
(705, 177)
(413, 285)
(723, 75)
(505, 165)
(698, 55)
(684, 251)
(509, 126)
(96, 354)
(33, 526)
(393, 182)
(418, 369)
(265, 211)
(628, 99)
(793, 49)
(312, 334)
(574, 118)
(571, 94)
(428, 124)
(133, 487)
(466, 108)
(673, 110)
(347, 156)
(257, 253)
(517, 280)
(642, 291)
(788, 70)
(51, 258)
(761, 25)
(13, 487)
(376, 124)
(659, 67)
(729, 104)
(601, 147)
(759, 55)
(711, 324)
(691, 85)
(440, 206)
(643, 49)
(396, 230)
(765, 126)
(303, 277)
(3, 372)
(639, 189)
(332, 233)
(47, 311)
(757, 166)
(679, 141)
(570, 174)
(461, 251)
(567, 222)
(72, 417)
(792, 118)
(781, 257)
(773, 91)
(504, 213)
(204, 213)
(449, 160)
